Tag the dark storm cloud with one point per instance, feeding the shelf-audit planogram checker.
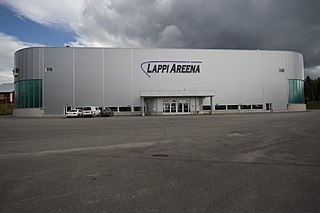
(245, 24)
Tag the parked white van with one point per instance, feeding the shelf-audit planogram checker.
(91, 111)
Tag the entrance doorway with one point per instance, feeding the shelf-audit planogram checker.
(176, 107)
(66, 109)
(269, 106)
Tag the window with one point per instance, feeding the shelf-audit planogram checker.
(115, 109)
(268, 106)
(125, 109)
(232, 107)
(206, 107)
(296, 92)
(137, 109)
(281, 70)
(245, 106)
(49, 69)
(86, 108)
(28, 93)
(257, 106)
(220, 107)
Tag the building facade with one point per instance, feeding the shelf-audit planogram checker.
(157, 81)
(6, 93)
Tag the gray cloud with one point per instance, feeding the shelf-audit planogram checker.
(171, 35)
(246, 24)
(237, 24)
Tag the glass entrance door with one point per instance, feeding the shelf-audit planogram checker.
(180, 110)
(176, 107)
(173, 108)
(186, 107)
(166, 107)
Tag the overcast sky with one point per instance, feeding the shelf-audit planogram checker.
(237, 24)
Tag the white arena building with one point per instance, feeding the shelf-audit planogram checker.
(157, 81)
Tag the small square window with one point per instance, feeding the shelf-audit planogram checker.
(281, 70)
(49, 69)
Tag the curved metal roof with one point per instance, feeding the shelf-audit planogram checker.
(6, 87)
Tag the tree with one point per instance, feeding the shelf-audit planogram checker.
(312, 89)
(308, 89)
(317, 89)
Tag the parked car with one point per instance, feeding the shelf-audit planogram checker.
(90, 111)
(106, 112)
(74, 113)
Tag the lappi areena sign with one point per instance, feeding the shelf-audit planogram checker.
(154, 67)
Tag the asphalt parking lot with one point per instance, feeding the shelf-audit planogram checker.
(265, 162)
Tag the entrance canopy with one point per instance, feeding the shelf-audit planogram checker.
(177, 107)
(177, 93)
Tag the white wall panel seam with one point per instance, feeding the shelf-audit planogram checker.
(262, 79)
(43, 77)
(73, 79)
(286, 73)
(103, 88)
(238, 79)
(131, 61)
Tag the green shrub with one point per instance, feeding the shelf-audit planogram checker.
(6, 109)
(313, 105)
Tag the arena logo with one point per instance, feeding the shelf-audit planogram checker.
(156, 67)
